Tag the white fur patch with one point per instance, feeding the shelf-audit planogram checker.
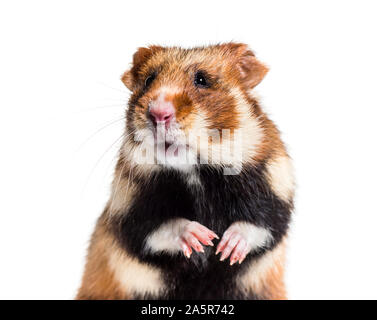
(134, 276)
(281, 178)
(252, 131)
(256, 237)
(166, 238)
(234, 150)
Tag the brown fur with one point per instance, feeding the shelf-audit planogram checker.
(265, 277)
(98, 282)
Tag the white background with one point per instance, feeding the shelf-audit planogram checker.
(60, 64)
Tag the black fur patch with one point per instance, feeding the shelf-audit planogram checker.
(221, 201)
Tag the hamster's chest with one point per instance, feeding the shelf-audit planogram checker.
(210, 202)
(213, 200)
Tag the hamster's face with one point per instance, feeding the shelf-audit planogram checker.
(180, 94)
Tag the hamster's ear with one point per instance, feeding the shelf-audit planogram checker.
(251, 70)
(127, 80)
(141, 56)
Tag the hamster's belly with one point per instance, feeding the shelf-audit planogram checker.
(205, 278)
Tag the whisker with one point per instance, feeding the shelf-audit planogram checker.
(98, 161)
(114, 99)
(115, 157)
(103, 107)
(115, 190)
(98, 131)
(110, 87)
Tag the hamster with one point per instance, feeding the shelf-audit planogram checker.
(186, 219)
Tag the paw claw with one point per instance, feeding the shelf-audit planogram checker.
(186, 250)
(214, 235)
(241, 260)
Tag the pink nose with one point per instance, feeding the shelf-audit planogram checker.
(161, 112)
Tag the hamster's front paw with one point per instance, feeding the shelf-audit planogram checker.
(240, 239)
(234, 241)
(192, 235)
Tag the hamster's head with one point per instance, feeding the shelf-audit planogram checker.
(190, 102)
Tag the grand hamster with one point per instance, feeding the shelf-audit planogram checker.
(203, 188)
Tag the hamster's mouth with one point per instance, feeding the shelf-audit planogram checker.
(170, 145)
(167, 145)
(171, 148)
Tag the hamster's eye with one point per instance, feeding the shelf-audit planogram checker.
(150, 79)
(200, 80)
